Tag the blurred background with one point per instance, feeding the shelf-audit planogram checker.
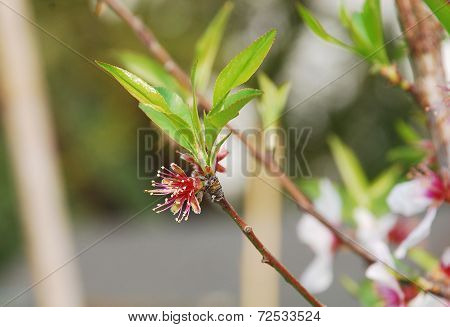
(53, 99)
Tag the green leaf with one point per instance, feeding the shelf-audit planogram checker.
(407, 133)
(410, 155)
(373, 24)
(356, 28)
(366, 31)
(176, 105)
(139, 89)
(150, 70)
(349, 285)
(423, 259)
(310, 187)
(384, 182)
(372, 21)
(368, 295)
(272, 101)
(217, 147)
(175, 127)
(217, 119)
(351, 171)
(156, 106)
(243, 66)
(441, 8)
(317, 28)
(208, 45)
(196, 124)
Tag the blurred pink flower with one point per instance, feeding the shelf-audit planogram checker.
(445, 262)
(425, 192)
(318, 276)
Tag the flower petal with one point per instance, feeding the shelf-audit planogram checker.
(445, 259)
(409, 198)
(195, 205)
(381, 275)
(418, 234)
(315, 235)
(371, 232)
(329, 202)
(177, 169)
(427, 300)
(445, 262)
(318, 276)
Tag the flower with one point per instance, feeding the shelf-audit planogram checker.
(181, 192)
(318, 276)
(426, 191)
(401, 229)
(372, 233)
(387, 286)
(445, 262)
(427, 300)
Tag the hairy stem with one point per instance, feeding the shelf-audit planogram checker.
(424, 36)
(267, 257)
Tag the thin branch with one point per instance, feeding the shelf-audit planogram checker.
(158, 52)
(424, 41)
(393, 76)
(267, 257)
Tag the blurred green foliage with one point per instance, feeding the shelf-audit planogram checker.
(96, 121)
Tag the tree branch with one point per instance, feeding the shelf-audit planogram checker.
(267, 257)
(424, 35)
(159, 53)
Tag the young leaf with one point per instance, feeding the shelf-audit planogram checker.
(150, 70)
(172, 125)
(139, 89)
(317, 28)
(215, 121)
(384, 182)
(243, 66)
(217, 147)
(196, 124)
(273, 100)
(356, 29)
(351, 171)
(176, 105)
(371, 14)
(441, 8)
(423, 259)
(407, 133)
(208, 45)
(409, 155)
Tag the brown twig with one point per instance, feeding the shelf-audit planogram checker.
(158, 52)
(424, 36)
(267, 257)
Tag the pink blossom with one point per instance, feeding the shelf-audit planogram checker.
(181, 192)
(445, 262)
(426, 191)
(318, 276)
